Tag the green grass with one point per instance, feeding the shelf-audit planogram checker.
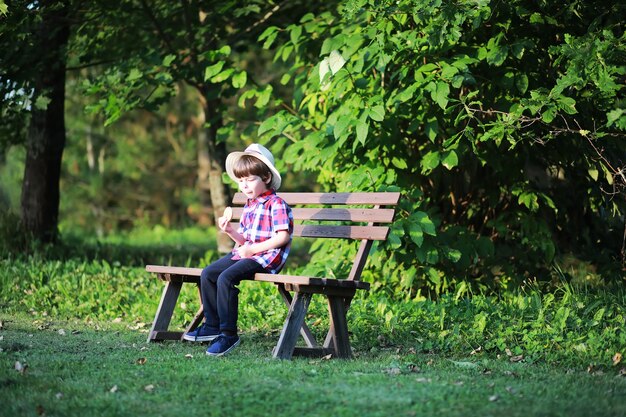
(73, 369)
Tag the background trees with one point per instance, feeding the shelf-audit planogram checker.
(502, 123)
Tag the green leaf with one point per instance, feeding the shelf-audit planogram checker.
(213, 70)
(377, 113)
(431, 129)
(450, 160)
(406, 94)
(416, 234)
(341, 126)
(167, 61)
(42, 102)
(222, 76)
(521, 82)
(264, 97)
(399, 163)
(453, 255)
(567, 104)
(135, 74)
(430, 161)
(239, 79)
(426, 224)
(549, 114)
(361, 131)
(441, 93)
(294, 34)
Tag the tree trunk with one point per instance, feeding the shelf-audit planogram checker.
(214, 195)
(46, 134)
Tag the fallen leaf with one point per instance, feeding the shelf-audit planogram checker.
(113, 389)
(189, 356)
(617, 358)
(477, 350)
(61, 332)
(517, 358)
(511, 390)
(327, 357)
(464, 364)
(423, 380)
(1, 325)
(141, 361)
(413, 368)
(493, 398)
(508, 352)
(117, 320)
(393, 371)
(20, 368)
(622, 372)
(149, 388)
(59, 395)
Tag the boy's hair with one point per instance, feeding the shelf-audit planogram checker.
(248, 165)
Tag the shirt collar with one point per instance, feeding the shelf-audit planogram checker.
(262, 198)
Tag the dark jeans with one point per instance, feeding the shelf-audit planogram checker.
(219, 292)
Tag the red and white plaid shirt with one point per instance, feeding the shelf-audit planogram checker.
(262, 217)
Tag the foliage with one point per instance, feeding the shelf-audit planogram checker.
(502, 123)
(106, 281)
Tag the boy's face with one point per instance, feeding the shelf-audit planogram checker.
(252, 186)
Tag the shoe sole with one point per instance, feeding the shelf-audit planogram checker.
(226, 351)
(200, 339)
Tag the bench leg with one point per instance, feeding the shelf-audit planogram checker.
(164, 313)
(308, 337)
(338, 334)
(291, 329)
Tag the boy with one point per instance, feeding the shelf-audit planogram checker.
(263, 241)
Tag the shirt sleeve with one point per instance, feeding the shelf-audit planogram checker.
(282, 218)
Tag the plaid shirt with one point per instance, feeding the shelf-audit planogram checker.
(261, 219)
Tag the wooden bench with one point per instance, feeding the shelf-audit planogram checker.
(355, 216)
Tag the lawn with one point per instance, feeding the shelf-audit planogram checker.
(70, 368)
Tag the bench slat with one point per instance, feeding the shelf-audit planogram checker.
(383, 198)
(303, 280)
(336, 214)
(343, 232)
(175, 270)
(337, 231)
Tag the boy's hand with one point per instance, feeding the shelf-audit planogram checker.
(224, 221)
(244, 251)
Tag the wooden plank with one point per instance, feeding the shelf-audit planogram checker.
(382, 198)
(311, 281)
(341, 232)
(175, 270)
(325, 231)
(335, 214)
(315, 352)
(293, 323)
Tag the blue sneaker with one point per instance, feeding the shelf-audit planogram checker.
(222, 345)
(203, 333)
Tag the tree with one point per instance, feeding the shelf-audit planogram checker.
(501, 122)
(34, 39)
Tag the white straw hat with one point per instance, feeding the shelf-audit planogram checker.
(262, 154)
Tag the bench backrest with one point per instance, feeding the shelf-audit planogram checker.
(360, 216)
